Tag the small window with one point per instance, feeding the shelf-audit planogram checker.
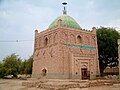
(79, 39)
(46, 41)
(44, 72)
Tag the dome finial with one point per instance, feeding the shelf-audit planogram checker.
(64, 10)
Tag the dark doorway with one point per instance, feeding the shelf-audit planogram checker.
(44, 72)
(84, 73)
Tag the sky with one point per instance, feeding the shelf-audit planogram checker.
(20, 18)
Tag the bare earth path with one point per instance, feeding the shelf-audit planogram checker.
(11, 84)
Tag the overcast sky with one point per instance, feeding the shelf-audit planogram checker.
(19, 19)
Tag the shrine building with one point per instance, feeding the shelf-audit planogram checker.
(65, 51)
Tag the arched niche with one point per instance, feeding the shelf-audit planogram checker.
(44, 72)
(46, 41)
(79, 39)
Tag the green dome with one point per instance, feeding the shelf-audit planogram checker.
(67, 21)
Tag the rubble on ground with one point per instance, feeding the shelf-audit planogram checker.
(55, 84)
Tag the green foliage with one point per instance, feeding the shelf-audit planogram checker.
(26, 66)
(107, 47)
(2, 70)
(13, 65)
(29, 65)
(23, 67)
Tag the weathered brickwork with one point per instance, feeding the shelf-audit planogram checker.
(64, 52)
(119, 55)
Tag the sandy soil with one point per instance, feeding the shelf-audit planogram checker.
(10, 84)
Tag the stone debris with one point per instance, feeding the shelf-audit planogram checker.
(56, 84)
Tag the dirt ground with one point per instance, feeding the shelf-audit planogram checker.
(10, 84)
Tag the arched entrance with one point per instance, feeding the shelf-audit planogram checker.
(84, 72)
(44, 72)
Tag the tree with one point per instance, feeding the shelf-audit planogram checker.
(107, 47)
(23, 67)
(12, 65)
(26, 66)
(2, 70)
(29, 65)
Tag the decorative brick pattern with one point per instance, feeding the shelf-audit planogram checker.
(54, 52)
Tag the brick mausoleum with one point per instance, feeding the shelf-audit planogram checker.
(65, 51)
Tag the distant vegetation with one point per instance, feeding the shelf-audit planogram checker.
(14, 65)
(107, 47)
